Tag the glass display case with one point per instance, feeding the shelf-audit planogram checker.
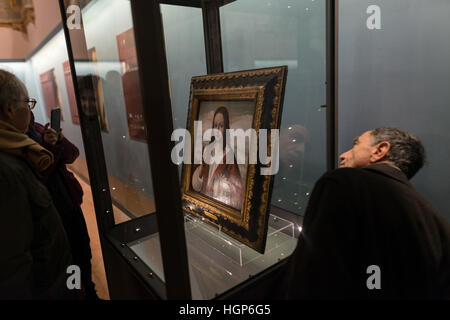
(131, 63)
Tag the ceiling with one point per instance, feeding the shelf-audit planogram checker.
(17, 45)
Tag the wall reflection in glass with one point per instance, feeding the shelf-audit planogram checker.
(290, 191)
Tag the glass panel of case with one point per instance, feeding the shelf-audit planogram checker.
(112, 66)
(264, 33)
(107, 70)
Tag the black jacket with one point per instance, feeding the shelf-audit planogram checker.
(357, 218)
(34, 251)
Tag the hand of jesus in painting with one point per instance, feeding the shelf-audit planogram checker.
(201, 171)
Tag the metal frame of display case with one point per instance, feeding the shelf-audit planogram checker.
(128, 277)
(95, 157)
(332, 82)
(155, 92)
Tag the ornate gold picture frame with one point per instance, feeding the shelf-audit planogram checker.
(233, 194)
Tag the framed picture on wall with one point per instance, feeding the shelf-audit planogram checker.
(98, 91)
(225, 181)
(52, 98)
(131, 85)
(71, 93)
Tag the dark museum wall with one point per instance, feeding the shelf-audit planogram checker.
(399, 76)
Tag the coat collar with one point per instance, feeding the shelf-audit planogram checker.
(389, 171)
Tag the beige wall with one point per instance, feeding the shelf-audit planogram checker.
(16, 45)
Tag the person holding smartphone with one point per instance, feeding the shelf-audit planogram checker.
(34, 249)
(67, 196)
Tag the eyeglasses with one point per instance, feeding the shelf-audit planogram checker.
(31, 103)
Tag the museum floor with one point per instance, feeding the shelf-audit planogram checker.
(98, 269)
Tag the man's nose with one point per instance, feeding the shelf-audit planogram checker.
(343, 156)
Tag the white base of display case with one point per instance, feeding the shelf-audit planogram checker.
(218, 262)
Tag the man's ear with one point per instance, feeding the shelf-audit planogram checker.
(3, 113)
(380, 151)
(8, 111)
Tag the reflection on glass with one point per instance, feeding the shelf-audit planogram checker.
(186, 58)
(87, 95)
(253, 37)
(98, 92)
(131, 85)
(290, 192)
(104, 64)
(110, 91)
(258, 34)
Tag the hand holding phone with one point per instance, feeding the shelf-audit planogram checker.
(55, 122)
(49, 135)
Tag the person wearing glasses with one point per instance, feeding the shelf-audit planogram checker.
(34, 250)
(67, 195)
(367, 233)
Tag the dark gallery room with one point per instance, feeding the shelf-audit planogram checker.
(223, 150)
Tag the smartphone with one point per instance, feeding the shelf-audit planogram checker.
(55, 122)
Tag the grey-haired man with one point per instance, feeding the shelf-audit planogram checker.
(367, 233)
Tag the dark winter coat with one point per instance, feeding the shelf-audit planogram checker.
(34, 251)
(357, 218)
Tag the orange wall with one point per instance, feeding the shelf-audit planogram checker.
(16, 45)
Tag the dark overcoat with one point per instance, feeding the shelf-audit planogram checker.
(359, 220)
(34, 250)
